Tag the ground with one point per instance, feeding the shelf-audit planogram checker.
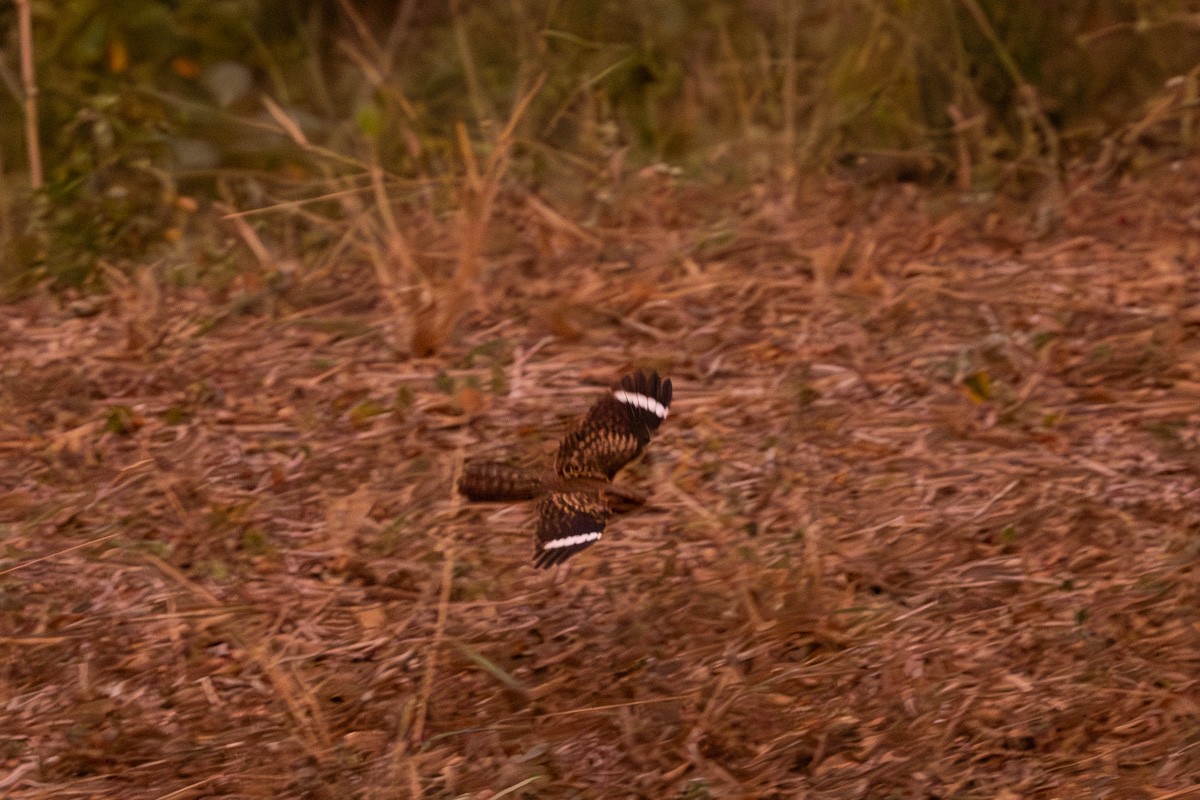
(923, 524)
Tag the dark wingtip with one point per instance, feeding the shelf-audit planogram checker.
(651, 385)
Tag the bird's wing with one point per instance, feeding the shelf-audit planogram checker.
(567, 522)
(616, 428)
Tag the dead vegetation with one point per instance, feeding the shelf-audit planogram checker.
(924, 519)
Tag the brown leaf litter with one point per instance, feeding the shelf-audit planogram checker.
(924, 519)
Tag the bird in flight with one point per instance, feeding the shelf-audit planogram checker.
(575, 500)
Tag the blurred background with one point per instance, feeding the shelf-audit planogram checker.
(147, 108)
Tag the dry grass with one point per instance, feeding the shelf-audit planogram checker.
(924, 519)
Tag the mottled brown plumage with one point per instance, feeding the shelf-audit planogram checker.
(490, 481)
(577, 498)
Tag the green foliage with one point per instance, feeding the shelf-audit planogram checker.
(1028, 80)
(120, 84)
(121, 420)
(255, 542)
(105, 197)
(363, 411)
(145, 101)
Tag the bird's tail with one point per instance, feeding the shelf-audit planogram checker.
(490, 480)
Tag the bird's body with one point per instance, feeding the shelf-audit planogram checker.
(575, 501)
(498, 482)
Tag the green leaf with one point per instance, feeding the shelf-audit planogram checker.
(368, 118)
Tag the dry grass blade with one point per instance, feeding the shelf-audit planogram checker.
(417, 733)
(184, 791)
(249, 236)
(29, 86)
(490, 667)
(59, 553)
(515, 787)
(474, 216)
(396, 268)
(617, 706)
(294, 132)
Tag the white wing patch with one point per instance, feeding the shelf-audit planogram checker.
(572, 541)
(642, 401)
